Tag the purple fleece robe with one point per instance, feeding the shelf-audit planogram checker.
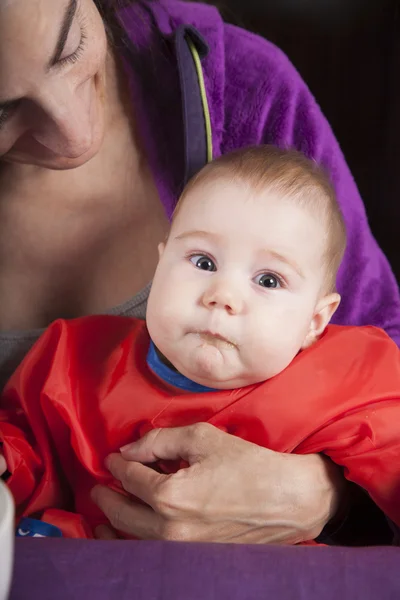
(255, 96)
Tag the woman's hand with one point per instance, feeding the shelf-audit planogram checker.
(232, 491)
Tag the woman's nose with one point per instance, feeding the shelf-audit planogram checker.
(223, 295)
(62, 122)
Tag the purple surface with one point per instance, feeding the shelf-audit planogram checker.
(82, 570)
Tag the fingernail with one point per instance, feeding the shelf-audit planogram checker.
(126, 447)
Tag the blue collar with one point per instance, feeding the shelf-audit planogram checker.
(171, 376)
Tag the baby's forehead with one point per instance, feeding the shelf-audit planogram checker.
(231, 193)
(218, 191)
(258, 214)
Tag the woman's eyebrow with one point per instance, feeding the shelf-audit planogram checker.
(64, 31)
(62, 38)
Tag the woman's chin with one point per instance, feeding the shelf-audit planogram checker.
(64, 163)
(49, 160)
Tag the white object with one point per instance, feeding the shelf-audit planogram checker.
(6, 540)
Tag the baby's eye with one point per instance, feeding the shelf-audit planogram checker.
(203, 262)
(268, 280)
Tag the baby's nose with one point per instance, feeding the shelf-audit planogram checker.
(224, 297)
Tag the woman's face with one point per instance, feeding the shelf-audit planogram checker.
(52, 72)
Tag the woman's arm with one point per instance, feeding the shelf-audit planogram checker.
(232, 491)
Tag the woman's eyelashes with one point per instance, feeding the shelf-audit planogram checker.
(6, 112)
(75, 56)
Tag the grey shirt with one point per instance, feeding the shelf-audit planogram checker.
(14, 345)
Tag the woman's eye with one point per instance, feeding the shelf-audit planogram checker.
(3, 117)
(203, 262)
(72, 41)
(74, 56)
(6, 112)
(268, 280)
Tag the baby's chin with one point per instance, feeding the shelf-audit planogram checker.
(212, 368)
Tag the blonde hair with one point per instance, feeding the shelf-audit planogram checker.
(291, 174)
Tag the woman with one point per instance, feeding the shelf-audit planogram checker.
(96, 137)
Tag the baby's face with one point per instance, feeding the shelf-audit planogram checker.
(237, 291)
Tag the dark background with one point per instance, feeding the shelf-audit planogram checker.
(348, 52)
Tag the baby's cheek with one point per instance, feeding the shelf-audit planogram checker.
(266, 359)
(170, 320)
(165, 332)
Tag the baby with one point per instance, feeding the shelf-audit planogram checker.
(236, 335)
(247, 277)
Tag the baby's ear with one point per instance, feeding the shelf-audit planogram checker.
(324, 311)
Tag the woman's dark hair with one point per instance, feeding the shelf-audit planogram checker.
(107, 6)
(108, 11)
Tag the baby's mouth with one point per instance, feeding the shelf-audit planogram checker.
(217, 340)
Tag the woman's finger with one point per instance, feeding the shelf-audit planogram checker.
(105, 532)
(189, 443)
(136, 479)
(127, 516)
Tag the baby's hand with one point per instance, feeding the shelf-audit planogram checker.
(3, 465)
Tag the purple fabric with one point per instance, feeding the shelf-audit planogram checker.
(83, 570)
(255, 96)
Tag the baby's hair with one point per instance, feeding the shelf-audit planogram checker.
(292, 175)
